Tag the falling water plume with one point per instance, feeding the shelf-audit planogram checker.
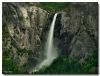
(50, 51)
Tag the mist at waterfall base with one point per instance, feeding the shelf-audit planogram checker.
(50, 50)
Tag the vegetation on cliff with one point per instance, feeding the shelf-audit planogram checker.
(53, 7)
(65, 65)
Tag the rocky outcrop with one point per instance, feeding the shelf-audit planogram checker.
(79, 30)
(25, 23)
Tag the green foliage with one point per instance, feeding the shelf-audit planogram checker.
(91, 62)
(64, 65)
(53, 7)
(9, 66)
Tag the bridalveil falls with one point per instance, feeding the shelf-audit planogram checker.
(50, 38)
(50, 51)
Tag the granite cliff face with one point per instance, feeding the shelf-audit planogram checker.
(79, 32)
(76, 32)
(26, 26)
(79, 25)
(25, 23)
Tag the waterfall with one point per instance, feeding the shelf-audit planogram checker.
(50, 51)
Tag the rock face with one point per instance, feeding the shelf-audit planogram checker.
(79, 30)
(75, 33)
(25, 23)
